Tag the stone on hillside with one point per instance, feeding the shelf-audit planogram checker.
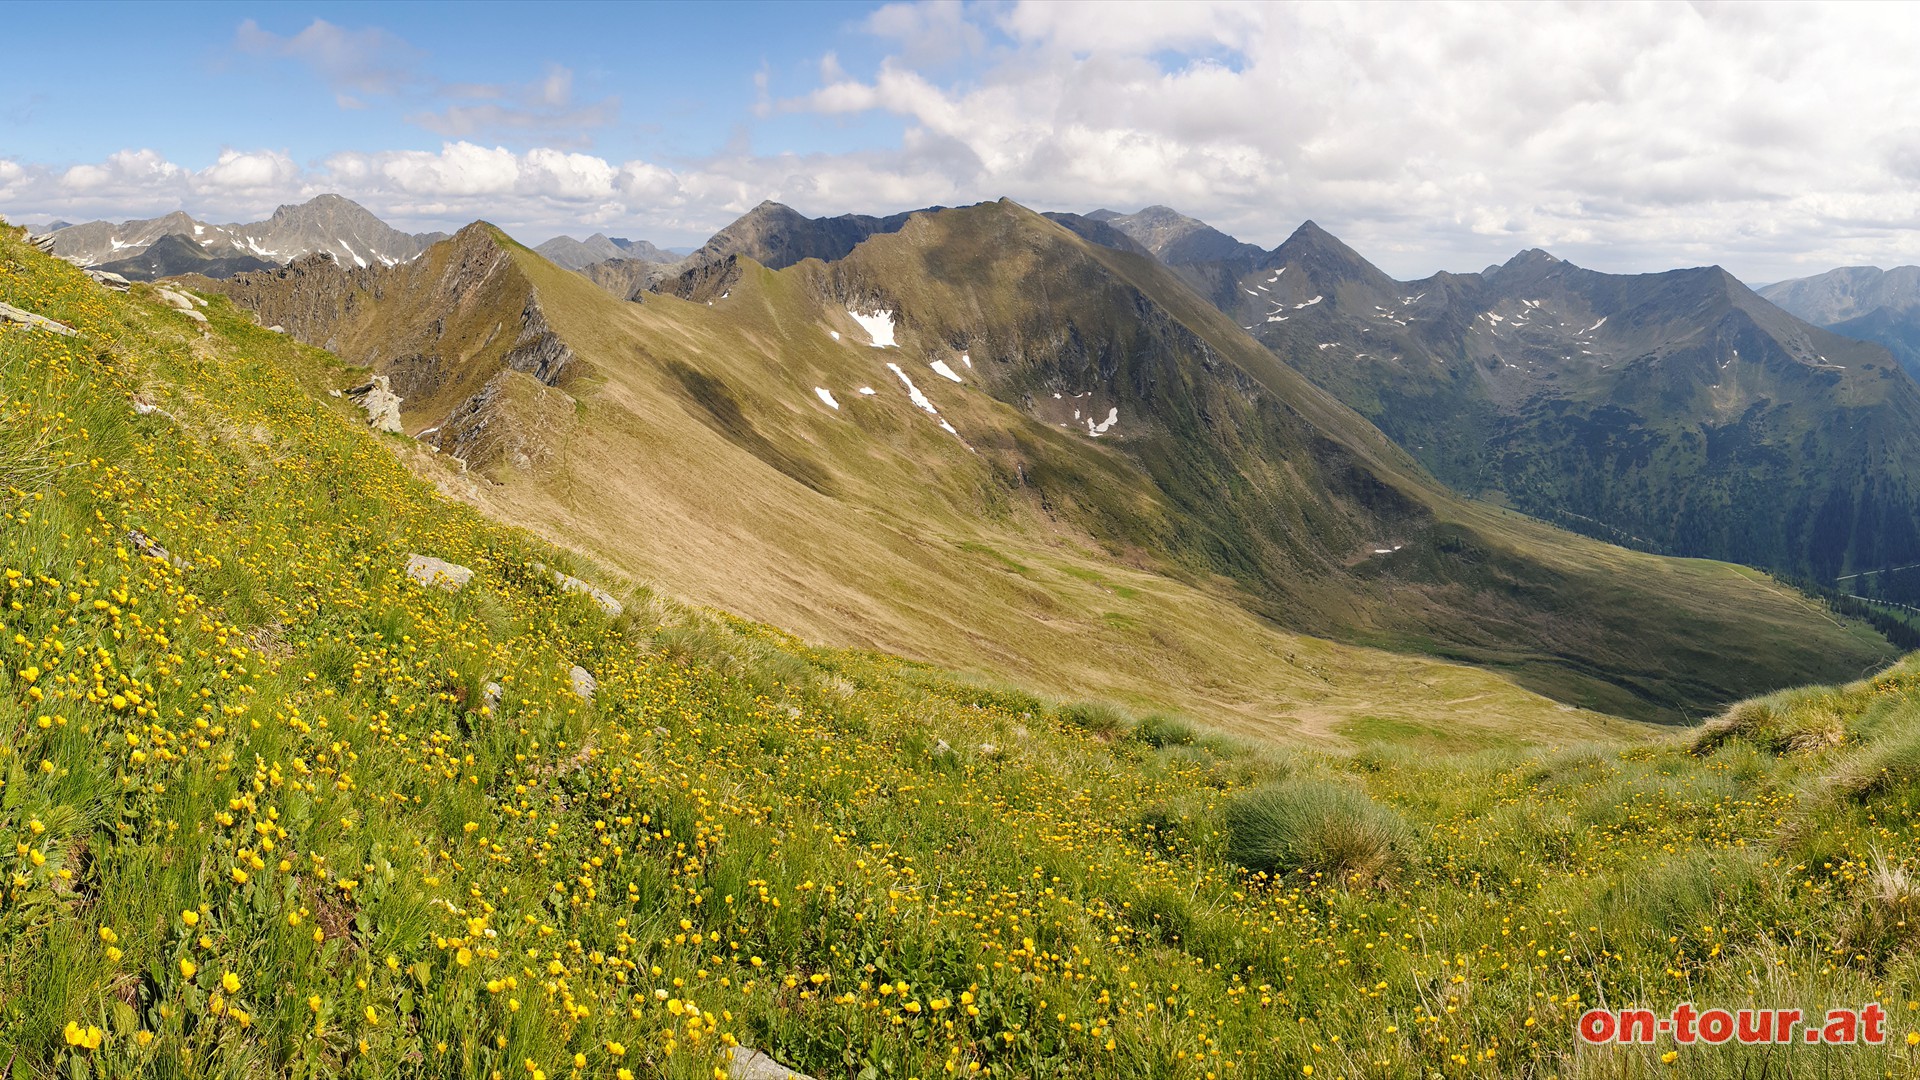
(381, 403)
(569, 583)
(9, 313)
(584, 683)
(491, 695)
(110, 279)
(175, 299)
(746, 1063)
(148, 546)
(428, 570)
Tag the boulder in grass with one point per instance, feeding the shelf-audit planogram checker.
(584, 684)
(746, 1063)
(428, 570)
(9, 313)
(569, 583)
(381, 403)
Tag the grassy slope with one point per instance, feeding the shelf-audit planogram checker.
(875, 538)
(741, 837)
(892, 513)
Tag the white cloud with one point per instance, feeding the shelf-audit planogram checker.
(545, 107)
(370, 64)
(1772, 139)
(1437, 135)
(369, 61)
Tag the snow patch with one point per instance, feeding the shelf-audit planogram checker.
(1595, 326)
(1328, 344)
(967, 359)
(878, 325)
(941, 369)
(1309, 303)
(834, 334)
(913, 392)
(867, 390)
(826, 397)
(1099, 429)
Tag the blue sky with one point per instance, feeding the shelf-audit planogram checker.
(1429, 136)
(679, 77)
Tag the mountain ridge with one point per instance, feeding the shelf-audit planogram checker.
(330, 223)
(1654, 409)
(1124, 416)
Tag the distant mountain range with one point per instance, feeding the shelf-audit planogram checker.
(580, 254)
(1679, 412)
(972, 435)
(327, 223)
(1863, 302)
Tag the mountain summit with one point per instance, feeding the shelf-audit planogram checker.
(342, 228)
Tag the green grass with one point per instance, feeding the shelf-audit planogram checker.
(831, 854)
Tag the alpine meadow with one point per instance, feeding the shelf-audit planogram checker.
(971, 632)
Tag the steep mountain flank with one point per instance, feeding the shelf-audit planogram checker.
(982, 440)
(441, 329)
(1861, 302)
(1208, 260)
(628, 279)
(775, 236)
(326, 223)
(1678, 412)
(176, 254)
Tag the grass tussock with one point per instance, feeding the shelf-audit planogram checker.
(1888, 764)
(1319, 827)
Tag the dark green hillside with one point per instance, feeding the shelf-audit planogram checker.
(1676, 412)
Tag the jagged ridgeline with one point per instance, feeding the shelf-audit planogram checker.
(974, 437)
(1676, 412)
(278, 798)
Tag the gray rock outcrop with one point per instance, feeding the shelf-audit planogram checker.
(584, 684)
(381, 403)
(440, 573)
(9, 313)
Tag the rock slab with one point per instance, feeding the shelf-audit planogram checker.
(746, 1063)
(584, 684)
(381, 403)
(9, 313)
(428, 570)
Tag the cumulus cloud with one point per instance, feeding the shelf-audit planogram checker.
(1433, 135)
(367, 61)
(370, 65)
(544, 106)
(1627, 137)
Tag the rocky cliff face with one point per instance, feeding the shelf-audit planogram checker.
(440, 330)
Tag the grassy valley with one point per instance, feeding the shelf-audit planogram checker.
(1177, 559)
